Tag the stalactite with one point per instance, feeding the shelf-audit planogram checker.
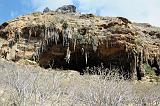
(49, 32)
(52, 36)
(62, 37)
(144, 56)
(42, 49)
(30, 33)
(56, 37)
(42, 34)
(35, 33)
(68, 54)
(94, 48)
(38, 52)
(69, 34)
(94, 43)
(64, 34)
(67, 37)
(128, 55)
(126, 48)
(47, 42)
(43, 46)
(45, 33)
(86, 57)
(74, 47)
(82, 50)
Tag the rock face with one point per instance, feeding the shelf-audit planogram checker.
(67, 9)
(58, 40)
(46, 10)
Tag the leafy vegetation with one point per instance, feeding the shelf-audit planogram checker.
(149, 70)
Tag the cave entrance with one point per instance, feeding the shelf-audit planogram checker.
(121, 61)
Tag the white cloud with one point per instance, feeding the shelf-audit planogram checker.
(135, 10)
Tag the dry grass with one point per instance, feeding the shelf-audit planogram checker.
(33, 86)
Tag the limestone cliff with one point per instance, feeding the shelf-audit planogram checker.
(65, 38)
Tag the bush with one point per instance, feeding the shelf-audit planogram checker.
(149, 70)
(28, 86)
(65, 25)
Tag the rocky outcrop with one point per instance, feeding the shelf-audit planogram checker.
(67, 9)
(46, 10)
(58, 40)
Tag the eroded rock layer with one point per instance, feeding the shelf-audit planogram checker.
(71, 40)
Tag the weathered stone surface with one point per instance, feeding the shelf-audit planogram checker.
(67, 9)
(79, 41)
(46, 10)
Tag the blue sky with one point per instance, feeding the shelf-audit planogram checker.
(9, 9)
(135, 10)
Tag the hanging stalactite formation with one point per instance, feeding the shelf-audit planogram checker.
(74, 41)
(77, 49)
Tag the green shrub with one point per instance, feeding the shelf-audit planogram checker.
(149, 70)
(65, 25)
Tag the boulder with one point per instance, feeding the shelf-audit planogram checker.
(67, 9)
(46, 10)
